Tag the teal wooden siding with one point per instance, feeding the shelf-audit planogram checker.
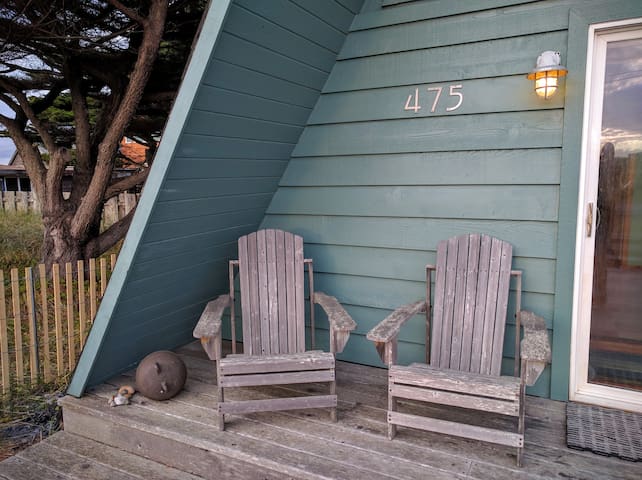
(304, 115)
(373, 186)
(216, 171)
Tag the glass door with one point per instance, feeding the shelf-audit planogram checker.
(608, 360)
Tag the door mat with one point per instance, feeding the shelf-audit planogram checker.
(604, 431)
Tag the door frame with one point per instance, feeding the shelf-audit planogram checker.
(580, 389)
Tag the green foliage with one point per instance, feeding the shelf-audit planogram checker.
(20, 239)
(61, 113)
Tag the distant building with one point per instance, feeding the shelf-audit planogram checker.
(14, 177)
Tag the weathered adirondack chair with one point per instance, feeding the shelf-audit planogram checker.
(464, 355)
(271, 274)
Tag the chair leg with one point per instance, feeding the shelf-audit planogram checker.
(520, 425)
(221, 399)
(221, 416)
(333, 410)
(392, 407)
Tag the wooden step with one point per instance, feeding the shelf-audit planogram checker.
(190, 446)
(68, 456)
(182, 433)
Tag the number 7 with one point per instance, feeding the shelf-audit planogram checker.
(438, 90)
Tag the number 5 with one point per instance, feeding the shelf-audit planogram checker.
(455, 94)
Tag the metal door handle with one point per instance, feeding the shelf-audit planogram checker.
(589, 219)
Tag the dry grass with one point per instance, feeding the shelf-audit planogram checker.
(27, 415)
(20, 239)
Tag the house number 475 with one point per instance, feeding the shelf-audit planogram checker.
(413, 102)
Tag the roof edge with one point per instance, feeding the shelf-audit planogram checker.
(206, 42)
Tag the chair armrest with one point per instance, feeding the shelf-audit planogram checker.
(384, 335)
(388, 329)
(535, 347)
(208, 328)
(341, 323)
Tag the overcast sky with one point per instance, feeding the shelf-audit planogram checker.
(6, 145)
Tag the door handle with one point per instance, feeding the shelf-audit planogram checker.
(589, 219)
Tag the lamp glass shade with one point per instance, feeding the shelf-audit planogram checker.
(546, 83)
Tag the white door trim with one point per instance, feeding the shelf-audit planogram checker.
(579, 388)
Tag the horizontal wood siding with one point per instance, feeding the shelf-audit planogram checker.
(264, 76)
(373, 187)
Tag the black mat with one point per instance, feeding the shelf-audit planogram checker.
(604, 431)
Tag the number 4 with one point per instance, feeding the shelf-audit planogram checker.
(415, 108)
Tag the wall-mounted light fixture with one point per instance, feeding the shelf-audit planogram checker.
(546, 73)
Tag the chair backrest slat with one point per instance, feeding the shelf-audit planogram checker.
(271, 271)
(479, 312)
(506, 257)
(472, 273)
(472, 283)
(279, 241)
(438, 310)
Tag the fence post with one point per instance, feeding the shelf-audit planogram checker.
(82, 319)
(33, 324)
(45, 322)
(4, 340)
(55, 273)
(71, 344)
(92, 289)
(17, 325)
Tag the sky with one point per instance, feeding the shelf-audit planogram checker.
(6, 145)
(622, 116)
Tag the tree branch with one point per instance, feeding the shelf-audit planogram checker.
(129, 12)
(126, 183)
(81, 114)
(29, 153)
(43, 103)
(110, 237)
(7, 100)
(26, 107)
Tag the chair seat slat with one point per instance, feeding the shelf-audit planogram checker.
(491, 386)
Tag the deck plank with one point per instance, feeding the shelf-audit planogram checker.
(17, 468)
(75, 465)
(181, 435)
(362, 398)
(305, 436)
(360, 422)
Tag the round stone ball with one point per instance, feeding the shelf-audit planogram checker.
(161, 375)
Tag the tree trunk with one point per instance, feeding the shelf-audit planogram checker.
(58, 245)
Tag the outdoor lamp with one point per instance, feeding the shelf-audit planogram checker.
(546, 73)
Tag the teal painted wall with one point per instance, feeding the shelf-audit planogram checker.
(226, 145)
(375, 182)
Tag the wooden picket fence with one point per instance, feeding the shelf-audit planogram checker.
(115, 208)
(45, 318)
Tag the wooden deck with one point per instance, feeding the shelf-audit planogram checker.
(178, 439)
